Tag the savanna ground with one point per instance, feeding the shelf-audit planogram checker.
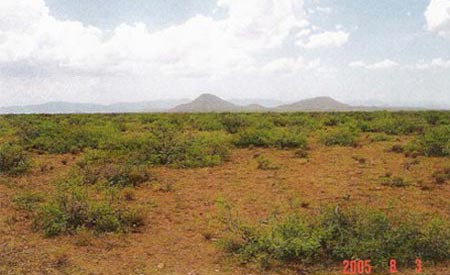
(224, 193)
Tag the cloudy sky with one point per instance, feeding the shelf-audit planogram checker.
(105, 51)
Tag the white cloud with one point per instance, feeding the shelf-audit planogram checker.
(45, 57)
(435, 63)
(438, 17)
(325, 39)
(290, 65)
(200, 46)
(357, 64)
(385, 64)
(21, 15)
(439, 62)
(28, 32)
(325, 10)
(263, 23)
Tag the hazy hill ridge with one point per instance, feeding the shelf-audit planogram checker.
(205, 103)
(211, 103)
(317, 104)
(68, 108)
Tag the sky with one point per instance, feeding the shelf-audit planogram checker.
(369, 52)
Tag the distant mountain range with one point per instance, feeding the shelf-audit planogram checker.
(66, 107)
(203, 104)
(210, 103)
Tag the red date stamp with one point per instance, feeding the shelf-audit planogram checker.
(361, 267)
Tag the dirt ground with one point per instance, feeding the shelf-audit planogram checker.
(181, 230)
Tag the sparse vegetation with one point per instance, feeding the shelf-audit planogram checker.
(266, 164)
(380, 137)
(397, 148)
(301, 153)
(433, 143)
(393, 181)
(342, 136)
(441, 176)
(14, 160)
(72, 208)
(97, 179)
(336, 234)
(114, 174)
(276, 137)
(28, 200)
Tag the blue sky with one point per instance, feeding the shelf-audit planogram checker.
(108, 14)
(104, 51)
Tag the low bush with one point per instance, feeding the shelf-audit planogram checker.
(301, 153)
(60, 136)
(206, 122)
(442, 176)
(14, 160)
(72, 209)
(266, 164)
(252, 137)
(397, 148)
(380, 137)
(28, 200)
(232, 123)
(185, 150)
(337, 234)
(341, 136)
(396, 124)
(433, 143)
(201, 150)
(121, 175)
(393, 181)
(276, 137)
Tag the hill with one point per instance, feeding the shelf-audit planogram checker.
(317, 104)
(211, 103)
(206, 103)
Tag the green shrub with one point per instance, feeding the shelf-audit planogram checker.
(188, 150)
(72, 209)
(121, 175)
(252, 137)
(285, 138)
(342, 136)
(393, 181)
(201, 150)
(266, 164)
(232, 123)
(380, 137)
(206, 122)
(337, 234)
(396, 124)
(435, 142)
(60, 136)
(276, 137)
(14, 160)
(27, 200)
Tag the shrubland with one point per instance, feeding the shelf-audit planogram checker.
(73, 207)
(14, 160)
(334, 234)
(342, 136)
(116, 154)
